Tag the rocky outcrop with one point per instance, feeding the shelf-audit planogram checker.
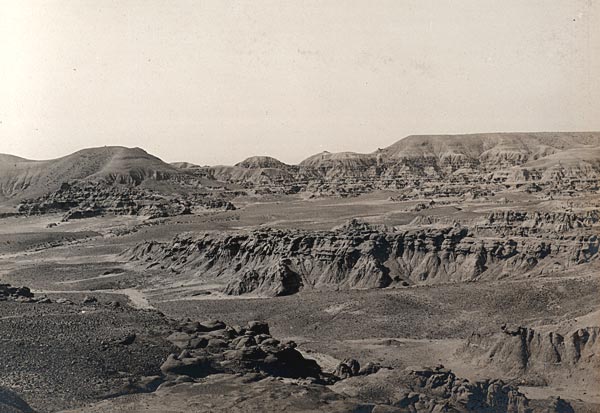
(434, 389)
(526, 223)
(521, 351)
(213, 348)
(487, 395)
(80, 201)
(351, 368)
(281, 262)
(209, 348)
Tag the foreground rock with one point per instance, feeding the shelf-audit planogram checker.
(422, 390)
(228, 393)
(247, 361)
(212, 348)
(113, 351)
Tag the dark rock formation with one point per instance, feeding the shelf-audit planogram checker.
(351, 367)
(217, 348)
(7, 292)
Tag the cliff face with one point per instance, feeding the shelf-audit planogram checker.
(436, 389)
(528, 223)
(520, 351)
(278, 262)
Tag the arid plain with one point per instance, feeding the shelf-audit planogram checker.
(149, 284)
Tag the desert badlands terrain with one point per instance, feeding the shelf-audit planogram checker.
(439, 274)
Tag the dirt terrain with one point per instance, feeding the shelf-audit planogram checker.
(495, 278)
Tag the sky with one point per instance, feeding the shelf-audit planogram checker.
(213, 82)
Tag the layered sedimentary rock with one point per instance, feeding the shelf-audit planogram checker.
(555, 162)
(444, 165)
(521, 350)
(280, 262)
(528, 223)
(108, 180)
(435, 389)
(564, 220)
(85, 201)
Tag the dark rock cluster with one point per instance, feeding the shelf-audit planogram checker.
(351, 368)
(212, 347)
(7, 292)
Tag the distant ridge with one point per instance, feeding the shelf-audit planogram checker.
(544, 155)
(471, 146)
(113, 164)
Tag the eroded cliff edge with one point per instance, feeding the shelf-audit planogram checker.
(357, 255)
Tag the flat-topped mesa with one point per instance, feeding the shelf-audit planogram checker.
(517, 147)
(345, 160)
(282, 262)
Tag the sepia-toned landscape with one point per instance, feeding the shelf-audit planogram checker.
(283, 206)
(446, 273)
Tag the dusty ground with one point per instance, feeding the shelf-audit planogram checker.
(60, 355)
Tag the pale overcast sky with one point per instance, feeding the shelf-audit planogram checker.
(216, 81)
